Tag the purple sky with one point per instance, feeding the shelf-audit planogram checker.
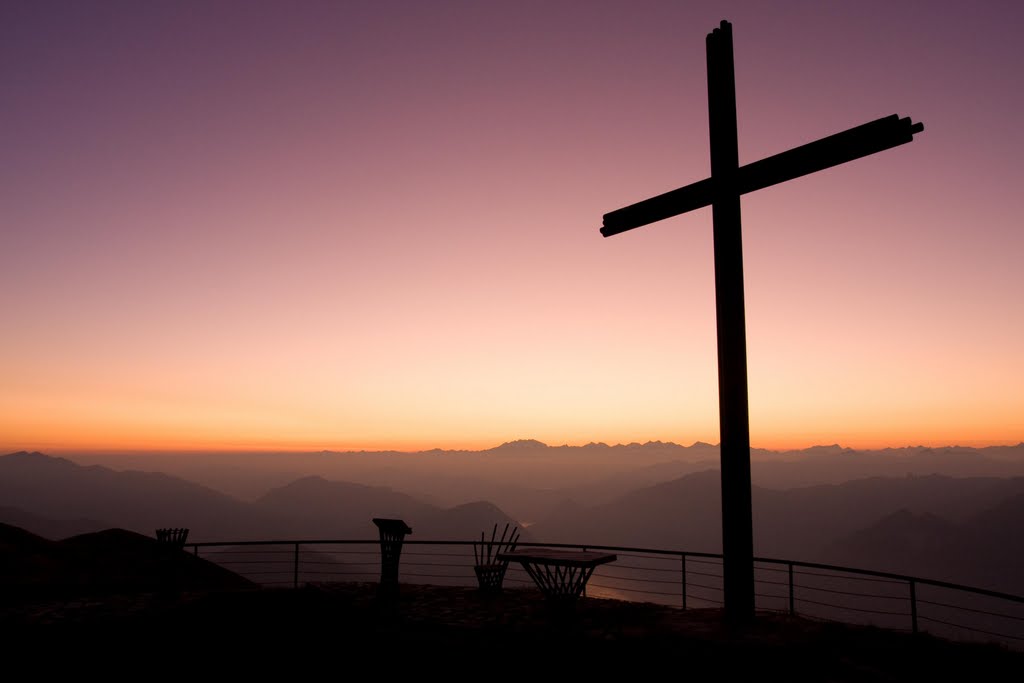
(370, 224)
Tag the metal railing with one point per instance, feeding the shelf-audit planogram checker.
(667, 577)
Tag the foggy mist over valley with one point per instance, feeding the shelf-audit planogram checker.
(952, 513)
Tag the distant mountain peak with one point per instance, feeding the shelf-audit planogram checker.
(520, 444)
(314, 483)
(26, 454)
(35, 457)
(831, 448)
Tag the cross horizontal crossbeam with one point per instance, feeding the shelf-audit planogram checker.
(861, 141)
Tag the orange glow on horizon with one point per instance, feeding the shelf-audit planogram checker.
(102, 441)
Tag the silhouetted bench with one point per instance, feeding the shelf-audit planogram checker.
(392, 535)
(561, 575)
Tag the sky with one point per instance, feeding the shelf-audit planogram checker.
(349, 225)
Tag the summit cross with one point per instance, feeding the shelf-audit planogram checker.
(722, 192)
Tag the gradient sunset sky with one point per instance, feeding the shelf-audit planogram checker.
(306, 225)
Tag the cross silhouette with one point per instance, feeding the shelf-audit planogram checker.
(722, 191)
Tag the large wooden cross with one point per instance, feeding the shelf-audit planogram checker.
(722, 191)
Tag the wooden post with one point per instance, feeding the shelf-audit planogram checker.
(913, 605)
(792, 605)
(584, 583)
(683, 559)
(737, 518)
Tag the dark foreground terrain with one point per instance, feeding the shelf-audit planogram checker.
(341, 629)
(118, 605)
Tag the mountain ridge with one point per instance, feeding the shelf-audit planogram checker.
(44, 494)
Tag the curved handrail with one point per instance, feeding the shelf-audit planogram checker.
(980, 624)
(650, 551)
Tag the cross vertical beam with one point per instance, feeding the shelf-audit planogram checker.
(734, 421)
(722, 192)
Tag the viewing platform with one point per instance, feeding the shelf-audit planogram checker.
(316, 600)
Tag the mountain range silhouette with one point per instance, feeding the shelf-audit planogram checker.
(964, 528)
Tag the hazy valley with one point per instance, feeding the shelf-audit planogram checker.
(954, 514)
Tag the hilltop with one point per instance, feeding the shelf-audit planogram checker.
(514, 633)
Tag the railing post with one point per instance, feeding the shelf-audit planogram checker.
(792, 606)
(682, 558)
(195, 549)
(295, 568)
(584, 584)
(913, 605)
